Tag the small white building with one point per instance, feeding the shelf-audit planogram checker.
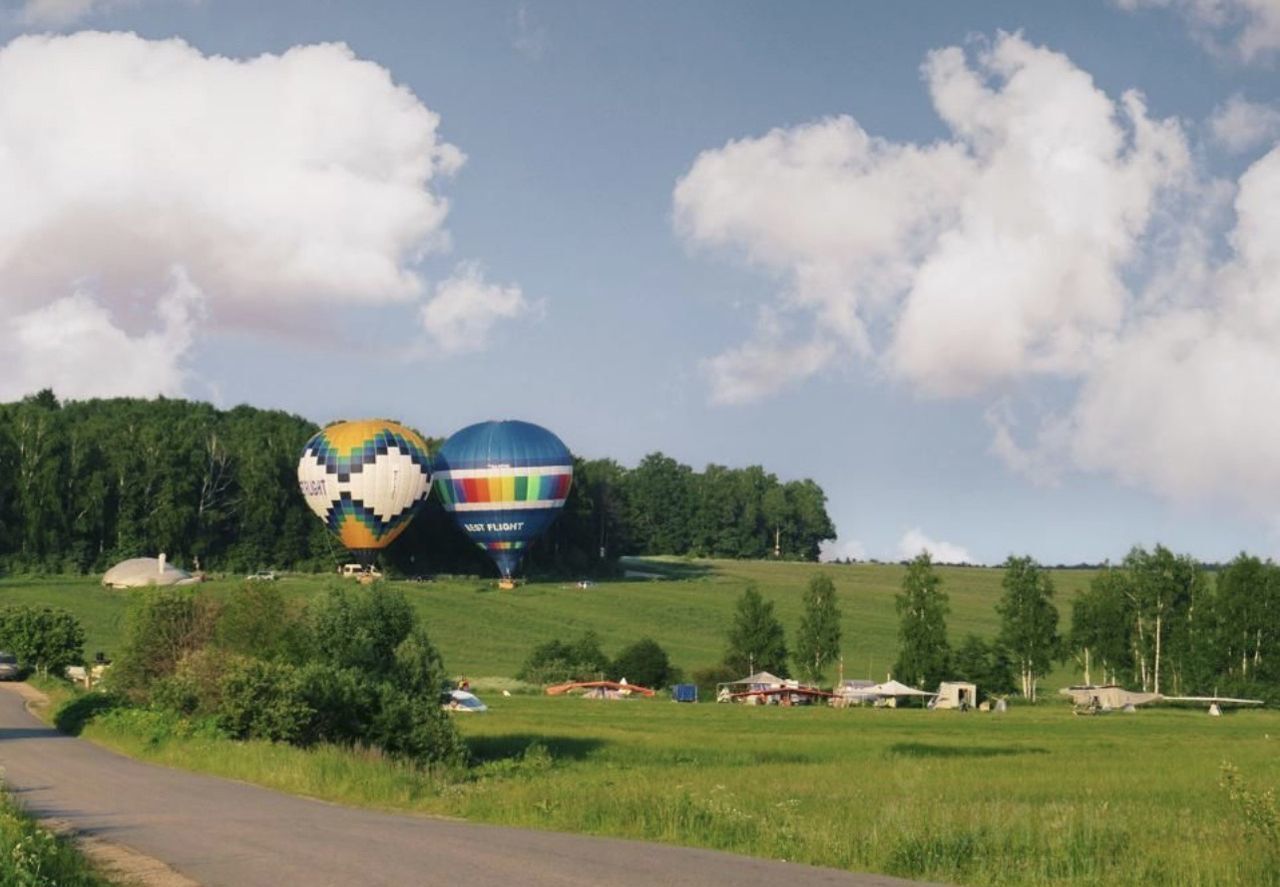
(956, 694)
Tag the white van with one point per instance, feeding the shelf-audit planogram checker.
(359, 571)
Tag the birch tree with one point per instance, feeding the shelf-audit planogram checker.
(1028, 620)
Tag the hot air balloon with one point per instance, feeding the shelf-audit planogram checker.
(365, 480)
(504, 483)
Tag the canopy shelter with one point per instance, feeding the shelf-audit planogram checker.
(761, 680)
(853, 692)
(888, 693)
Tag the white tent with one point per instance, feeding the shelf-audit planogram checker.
(761, 680)
(891, 691)
(139, 572)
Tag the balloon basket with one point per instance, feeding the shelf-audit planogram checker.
(506, 584)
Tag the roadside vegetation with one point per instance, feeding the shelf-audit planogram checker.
(31, 856)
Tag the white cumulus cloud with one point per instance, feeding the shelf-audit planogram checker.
(997, 253)
(1060, 259)
(1240, 125)
(914, 542)
(1250, 29)
(281, 185)
(461, 314)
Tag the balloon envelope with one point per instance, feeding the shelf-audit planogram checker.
(365, 480)
(504, 483)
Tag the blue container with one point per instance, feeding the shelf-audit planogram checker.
(684, 693)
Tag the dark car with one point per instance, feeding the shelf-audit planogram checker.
(8, 667)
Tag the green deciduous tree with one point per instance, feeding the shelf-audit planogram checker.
(986, 665)
(1248, 616)
(644, 663)
(818, 641)
(1028, 621)
(923, 653)
(1164, 591)
(1102, 628)
(757, 641)
(46, 639)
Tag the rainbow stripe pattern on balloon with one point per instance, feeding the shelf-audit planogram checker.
(504, 483)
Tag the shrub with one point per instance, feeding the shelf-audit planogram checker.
(360, 628)
(556, 661)
(257, 621)
(645, 663)
(343, 703)
(79, 710)
(415, 728)
(163, 626)
(264, 700)
(196, 685)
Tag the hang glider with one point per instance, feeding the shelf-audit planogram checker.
(782, 696)
(1097, 699)
(600, 689)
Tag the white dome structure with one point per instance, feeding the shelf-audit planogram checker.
(140, 572)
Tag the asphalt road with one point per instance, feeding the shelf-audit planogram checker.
(220, 832)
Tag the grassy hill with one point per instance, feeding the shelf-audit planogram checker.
(484, 632)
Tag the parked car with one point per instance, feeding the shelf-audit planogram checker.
(9, 670)
(262, 576)
(359, 571)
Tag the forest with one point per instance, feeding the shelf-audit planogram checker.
(84, 484)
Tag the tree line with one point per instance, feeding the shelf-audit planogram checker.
(1158, 621)
(84, 484)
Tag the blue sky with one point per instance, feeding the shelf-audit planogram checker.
(747, 233)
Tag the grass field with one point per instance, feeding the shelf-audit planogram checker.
(484, 632)
(1033, 796)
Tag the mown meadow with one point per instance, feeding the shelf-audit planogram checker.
(483, 632)
(1032, 796)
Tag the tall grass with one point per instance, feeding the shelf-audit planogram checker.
(31, 856)
(1032, 797)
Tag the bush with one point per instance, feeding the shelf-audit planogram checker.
(360, 628)
(77, 711)
(257, 621)
(196, 685)
(264, 700)
(645, 663)
(557, 661)
(415, 728)
(163, 626)
(343, 702)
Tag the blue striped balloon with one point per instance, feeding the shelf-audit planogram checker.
(504, 483)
